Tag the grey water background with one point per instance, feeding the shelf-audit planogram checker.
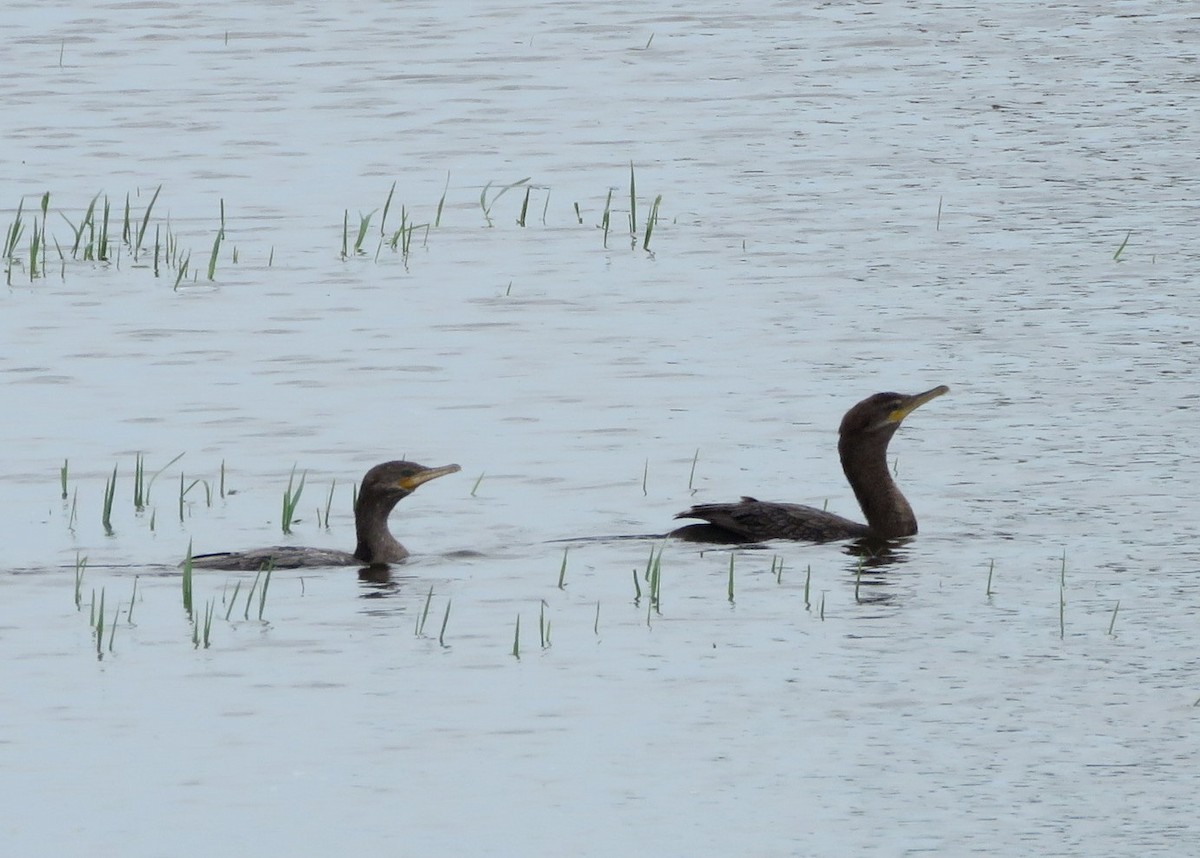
(856, 197)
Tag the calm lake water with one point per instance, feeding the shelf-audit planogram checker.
(854, 197)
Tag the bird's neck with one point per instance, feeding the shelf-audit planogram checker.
(375, 542)
(864, 460)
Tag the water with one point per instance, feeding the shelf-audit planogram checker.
(855, 198)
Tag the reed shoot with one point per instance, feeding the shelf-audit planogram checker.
(80, 566)
(562, 570)
(110, 490)
(437, 219)
(262, 594)
(424, 615)
(187, 581)
(632, 203)
(208, 618)
(291, 499)
(100, 626)
(651, 220)
(62, 478)
(445, 619)
(139, 479)
(1121, 249)
(132, 600)
(730, 587)
(516, 650)
(328, 505)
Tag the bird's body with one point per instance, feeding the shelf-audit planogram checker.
(862, 444)
(382, 488)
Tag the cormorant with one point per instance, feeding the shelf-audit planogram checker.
(382, 488)
(862, 444)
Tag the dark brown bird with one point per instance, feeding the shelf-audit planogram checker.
(382, 488)
(862, 444)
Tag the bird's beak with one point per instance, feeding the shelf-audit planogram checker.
(410, 483)
(915, 401)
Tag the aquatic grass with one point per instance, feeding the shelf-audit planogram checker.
(606, 217)
(99, 625)
(578, 215)
(596, 624)
(328, 505)
(262, 594)
(291, 499)
(1062, 597)
(487, 206)
(437, 219)
(645, 476)
(139, 480)
(858, 570)
(656, 583)
(543, 626)
(182, 271)
(516, 649)
(209, 606)
(110, 490)
(12, 238)
(80, 565)
(387, 204)
(150, 483)
(62, 478)
(445, 620)
(364, 224)
(112, 628)
(71, 519)
(1121, 249)
(807, 584)
(141, 233)
(651, 221)
(475, 487)
(991, 569)
(562, 571)
(126, 234)
(253, 589)
(222, 479)
(212, 258)
(637, 588)
(729, 590)
(233, 599)
(937, 227)
(822, 611)
(1113, 621)
(632, 202)
(187, 581)
(524, 208)
(692, 472)
(100, 249)
(132, 600)
(777, 568)
(35, 245)
(85, 223)
(424, 615)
